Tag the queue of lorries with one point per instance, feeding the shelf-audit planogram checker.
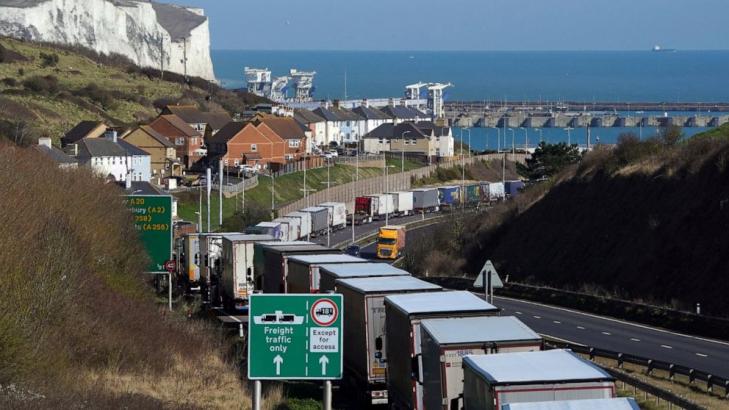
(407, 343)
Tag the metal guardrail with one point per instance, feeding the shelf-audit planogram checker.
(650, 365)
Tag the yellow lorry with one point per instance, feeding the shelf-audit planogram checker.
(390, 242)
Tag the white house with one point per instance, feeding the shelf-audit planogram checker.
(370, 118)
(317, 128)
(332, 125)
(441, 138)
(114, 158)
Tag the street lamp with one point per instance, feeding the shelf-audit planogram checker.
(387, 186)
(513, 141)
(569, 136)
(402, 150)
(468, 130)
(526, 139)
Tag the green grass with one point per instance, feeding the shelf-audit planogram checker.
(409, 164)
(289, 188)
(719, 132)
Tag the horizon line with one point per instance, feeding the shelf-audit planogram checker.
(666, 50)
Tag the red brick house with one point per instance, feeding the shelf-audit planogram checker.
(243, 143)
(189, 143)
(288, 129)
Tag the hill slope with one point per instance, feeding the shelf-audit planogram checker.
(645, 222)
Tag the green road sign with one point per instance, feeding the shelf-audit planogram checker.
(295, 337)
(153, 220)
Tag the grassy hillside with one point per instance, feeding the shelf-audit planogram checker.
(49, 89)
(78, 326)
(647, 221)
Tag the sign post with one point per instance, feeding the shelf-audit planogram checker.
(295, 337)
(488, 272)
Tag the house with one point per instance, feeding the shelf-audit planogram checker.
(206, 123)
(424, 138)
(349, 125)
(189, 143)
(55, 154)
(332, 126)
(316, 126)
(241, 143)
(442, 138)
(288, 129)
(371, 118)
(113, 158)
(84, 129)
(162, 152)
(402, 113)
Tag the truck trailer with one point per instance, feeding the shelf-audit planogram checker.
(366, 208)
(494, 191)
(404, 315)
(271, 262)
(513, 188)
(319, 219)
(446, 341)
(365, 356)
(385, 205)
(620, 403)
(337, 214)
(449, 196)
(303, 270)
(403, 203)
(472, 195)
(237, 279)
(390, 241)
(491, 381)
(293, 231)
(305, 221)
(330, 273)
(266, 228)
(426, 200)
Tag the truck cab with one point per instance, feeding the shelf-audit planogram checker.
(390, 242)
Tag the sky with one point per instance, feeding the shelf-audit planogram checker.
(466, 24)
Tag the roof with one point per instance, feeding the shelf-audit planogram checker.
(81, 131)
(326, 113)
(344, 114)
(178, 123)
(621, 403)
(436, 302)
(192, 115)
(177, 20)
(242, 237)
(402, 112)
(298, 248)
(325, 258)
(286, 127)
(392, 284)
(429, 126)
(391, 131)
(315, 209)
(286, 243)
(547, 366)
(268, 224)
(131, 149)
(157, 136)
(479, 330)
(100, 147)
(307, 116)
(363, 270)
(370, 113)
(228, 132)
(55, 154)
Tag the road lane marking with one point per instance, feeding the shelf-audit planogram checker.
(537, 317)
(577, 312)
(666, 347)
(702, 355)
(580, 327)
(606, 333)
(634, 339)
(518, 313)
(556, 322)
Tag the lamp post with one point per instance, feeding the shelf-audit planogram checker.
(513, 142)
(468, 130)
(498, 139)
(387, 186)
(402, 151)
(569, 136)
(526, 139)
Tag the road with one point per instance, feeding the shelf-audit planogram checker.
(612, 334)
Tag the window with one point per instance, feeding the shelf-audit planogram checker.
(382, 140)
(180, 141)
(225, 162)
(236, 162)
(254, 147)
(294, 143)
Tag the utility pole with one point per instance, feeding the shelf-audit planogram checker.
(199, 213)
(273, 192)
(209, 188)
(220, 185)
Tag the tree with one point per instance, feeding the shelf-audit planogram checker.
(549, 159)
(671, 135)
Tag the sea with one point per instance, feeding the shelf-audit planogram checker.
(588, 76)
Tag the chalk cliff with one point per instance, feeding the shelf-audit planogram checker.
(150, 34)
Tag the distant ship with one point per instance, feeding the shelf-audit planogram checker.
(659, 49)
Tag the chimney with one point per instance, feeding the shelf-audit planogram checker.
(44, 142)
(111, 135)
(391, 102)
(336, 103)
(365, 103)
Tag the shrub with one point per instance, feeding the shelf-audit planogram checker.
(10, 82)
(98, 95)
(42, 84)
(48, 60)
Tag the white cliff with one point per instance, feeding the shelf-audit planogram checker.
(150, 34)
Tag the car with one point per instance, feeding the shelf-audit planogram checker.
(248, 170)
(352, 250)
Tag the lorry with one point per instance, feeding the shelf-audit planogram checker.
(492, 381)
(237, 279)
(305, 221)
(366, 208)
(271, 262)
(494, 191)
(266, 228)
(319, 219)
(303, 270)
(330, 273)
(293, 230)
(472, 195)
(403, 203)
(449, 197)
(404, 315)
(513, 188)
(618, 403)
(426, 200)
(365, 356)
(446, 341)
(337, 214)
(384, 204)
(390, 241)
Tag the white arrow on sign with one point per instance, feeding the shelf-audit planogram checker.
(277, 361)
(323, 361)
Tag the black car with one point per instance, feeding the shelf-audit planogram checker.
(352, 250)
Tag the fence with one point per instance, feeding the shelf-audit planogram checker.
(246, 184)
(400, 181)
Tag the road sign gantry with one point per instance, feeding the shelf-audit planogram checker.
(295, 337)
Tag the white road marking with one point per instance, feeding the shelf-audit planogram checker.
(666, 347)
(702, 355)
(634, 339)
(580, 327)
(606, 333)
(556, 322)
(518, 313)
(537, 317)
(704, 339)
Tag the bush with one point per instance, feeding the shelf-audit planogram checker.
(98, 95)
(10, 82)
(48, 60)
(43, 85)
